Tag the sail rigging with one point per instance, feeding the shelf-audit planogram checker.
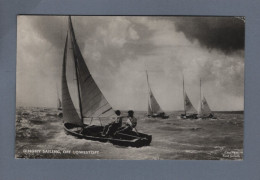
(92, 102)
(153, 105)
(188, 107)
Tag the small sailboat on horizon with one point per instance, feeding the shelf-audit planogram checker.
(92, 103)
(154, 109)
(204, 109)
(59, 105)
(189, 111)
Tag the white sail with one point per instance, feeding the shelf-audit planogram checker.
(204, 109)
(92, 103)
(150, 112)
(59, 106)
(70, 114)
(153, 105)
(188, 107)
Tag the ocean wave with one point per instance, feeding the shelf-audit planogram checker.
(173, 138)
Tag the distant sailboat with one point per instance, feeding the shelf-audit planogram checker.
(154, 109)
(92, 103)
(189, 111)
(204, 109)
(59, 105)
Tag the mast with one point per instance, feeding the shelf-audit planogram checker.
(58, 97)
(200, 96)
(76, 71)
(183, 94)
(154, 106)
(70, 114)
(147, 81)
(92, 102)
(149, 92)
(200, 89)
(57, 91)
(79, 94)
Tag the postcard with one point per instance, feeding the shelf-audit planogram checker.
(130, 87)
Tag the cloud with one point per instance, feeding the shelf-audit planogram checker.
(223, 33)
(118, 50)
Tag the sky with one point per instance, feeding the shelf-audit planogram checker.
(119, 49)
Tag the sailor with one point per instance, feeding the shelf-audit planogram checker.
(111, 128)
(211, 115)
(130, 123)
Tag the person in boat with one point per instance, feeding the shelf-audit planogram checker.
(130, 123)
(111, 128)
(211, 115)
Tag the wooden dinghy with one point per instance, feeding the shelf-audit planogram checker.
(154, 109)
(204, 109)
(94, 132)
(92, 103)
(189, 111)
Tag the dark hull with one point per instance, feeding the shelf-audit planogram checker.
(159, 116)
(191, 116)
(122, 139)
(208, 117)
(60, 114)
(211, 116)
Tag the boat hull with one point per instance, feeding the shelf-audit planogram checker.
(211, 116)
(161, 115)
(60, 114)
(191, 116)
(93, 133)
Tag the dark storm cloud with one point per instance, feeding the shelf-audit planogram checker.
(119, 49)
(223, 33)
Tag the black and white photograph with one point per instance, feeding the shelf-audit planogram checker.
(130, 87)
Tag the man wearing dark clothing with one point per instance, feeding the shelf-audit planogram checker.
(111, 128)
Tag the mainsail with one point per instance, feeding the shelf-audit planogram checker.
(70, 114)
(204, 109)
(153, 105)
(92, 103)
(188, 107)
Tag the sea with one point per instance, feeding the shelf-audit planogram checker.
(40, 135)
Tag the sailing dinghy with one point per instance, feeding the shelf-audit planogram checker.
(189, 110)
(92, 103)
(154, 109)
(204, 109)
(59, 105)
